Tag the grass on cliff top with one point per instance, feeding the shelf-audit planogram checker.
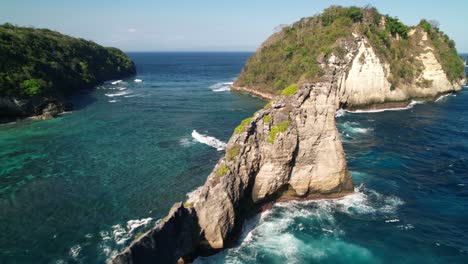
(281, 127)
(290, 90)
(240, 128)
(293, 55)
(267, 119)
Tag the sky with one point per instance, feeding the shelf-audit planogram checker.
(207, 25)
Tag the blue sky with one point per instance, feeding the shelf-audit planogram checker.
(206, 25)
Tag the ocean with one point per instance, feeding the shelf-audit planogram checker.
(81, 187)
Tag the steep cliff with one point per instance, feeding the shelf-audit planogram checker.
(40, 67)
(291, 149)
(393, 65)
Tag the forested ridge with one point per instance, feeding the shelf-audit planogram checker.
(42, 62)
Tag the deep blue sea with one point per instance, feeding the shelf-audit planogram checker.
(79, 188)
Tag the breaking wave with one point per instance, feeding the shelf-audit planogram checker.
(350, 129)
(444, 96)
(221, 87)
(340, 112)
(409, 106)
(210, 141)
(138, 80)
(117, 94)
(310, 232)
(115, 239)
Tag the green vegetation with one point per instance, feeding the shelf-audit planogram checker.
(222, 170)
(240, 128)
(267, 119)
(281, 127)
(396, 27)
(232, 152)
(268, 105)
(445, 51)
(292, 55)
(188, 205)
(37, 62)
(290, 90)
(295, 54)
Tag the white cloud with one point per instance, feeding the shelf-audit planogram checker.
(132, 30)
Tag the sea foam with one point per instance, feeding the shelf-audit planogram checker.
(116, 94)
(210, 141)
(221, 87)
(118, 236)
(409, 106)
(304, 232)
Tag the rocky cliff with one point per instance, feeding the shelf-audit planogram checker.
(291, 148)
(367, 84)
(392, 64)
(39, 68)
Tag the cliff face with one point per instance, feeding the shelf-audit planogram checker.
(291, 149)
(40, 67)
(392, 63)
(366, 85)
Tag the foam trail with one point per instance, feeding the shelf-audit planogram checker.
(340, 112)
(116, 94)
(138, 80)
(221, 87)
(409, 106)
(113, 240)
(444, 96)
(210, 141)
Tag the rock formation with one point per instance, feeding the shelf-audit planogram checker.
(290, 149)
(366, 85)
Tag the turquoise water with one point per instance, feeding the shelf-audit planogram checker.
(68, 186)
(79, 188)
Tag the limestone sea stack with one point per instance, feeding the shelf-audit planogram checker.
(351, 58)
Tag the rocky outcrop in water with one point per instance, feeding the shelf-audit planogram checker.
(291, 149)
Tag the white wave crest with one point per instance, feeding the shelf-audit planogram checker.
(444, 96)
(210, 141)
(409, 106)
(113, 240)
(221, 87)
(117, 94)
(340, 112)
(116, 82)
(113, 101)
(280, 232)
(138, 80)
(75, 251)
(186, 142)
(352, 128)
